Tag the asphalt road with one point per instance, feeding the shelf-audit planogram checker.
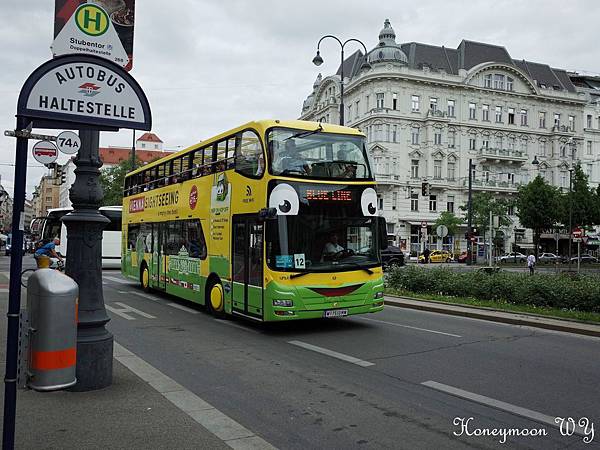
(397, 379)
(518, 267)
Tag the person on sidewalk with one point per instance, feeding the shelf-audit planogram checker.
(531, 263)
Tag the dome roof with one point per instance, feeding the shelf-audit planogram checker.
(317, 82)
(387, 49)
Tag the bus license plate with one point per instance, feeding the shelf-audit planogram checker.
(335, 313)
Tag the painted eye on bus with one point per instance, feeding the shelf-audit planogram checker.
(284, 199)
(368, 202)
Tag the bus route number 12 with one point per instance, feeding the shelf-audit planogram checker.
(299, 261)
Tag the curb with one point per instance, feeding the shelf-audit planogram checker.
(493, 316)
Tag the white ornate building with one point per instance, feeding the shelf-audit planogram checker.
(427, 110)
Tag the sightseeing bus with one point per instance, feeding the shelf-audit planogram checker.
(51, 227)
(273, 220)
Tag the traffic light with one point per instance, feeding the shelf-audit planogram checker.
(425, 189)
(63, 176)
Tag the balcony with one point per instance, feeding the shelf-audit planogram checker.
(503, 154)
(493, 185)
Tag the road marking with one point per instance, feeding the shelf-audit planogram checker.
(124, 309)
(183, 308)
(411, 327)
(147, 296)
(333, 354)
(225, 428)
(118, 280)
(513, 409)
(238, 326)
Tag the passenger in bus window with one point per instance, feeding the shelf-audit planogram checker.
(292, 160)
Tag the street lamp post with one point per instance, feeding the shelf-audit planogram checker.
(317, 61)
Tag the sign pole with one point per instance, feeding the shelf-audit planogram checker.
(14, 296)
(578, 254)
(84, 227)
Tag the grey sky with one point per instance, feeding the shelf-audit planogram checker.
(208, 66)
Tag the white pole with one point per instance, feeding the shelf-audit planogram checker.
(491, 234)
(578, 254)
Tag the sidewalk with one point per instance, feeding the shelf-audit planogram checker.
(130, 414)
(495, 315)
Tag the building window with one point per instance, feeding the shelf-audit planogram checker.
(414, 168)
(387, 133)
(451, 139)
(589, 148)
(379, 100)
(414, 201)
(510, 210)
(563, 179)
(542, 148)
(395, 133)
(415, 103)
(563, 151)
(511, 178)
(542, 116)
(509, 83)
(433, 203)
(394, 201)
(485, 112)
(487, 80)
(433, 104)
(524, 117)
(557, 120)
(357, 108)
(349, 113)
(394, 101)
(498, 113)
(437, 138)
(485, 143)
(437, 169)
(472, 143)
(390, 227)
(450, 203)
(498, 141)
(589, 171)
(451, 104)
(143, 145)
(511, 116)
(498, 81)
(451, 171)
(571, 123)
(414, 132)
(472, 110)
(380, 202)
(511, 143)
(524, 146)
(48, 199)
(367, 103)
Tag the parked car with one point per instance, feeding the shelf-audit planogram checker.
(550, 258)
(462, 258)
(437, 256)
(392, 256)
(585, 259)
(512, 257)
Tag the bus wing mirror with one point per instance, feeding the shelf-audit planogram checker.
(382, 228)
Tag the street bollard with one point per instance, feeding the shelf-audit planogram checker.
(52, 299)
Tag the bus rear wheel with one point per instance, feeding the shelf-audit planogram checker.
(216, 299)
(145, 278)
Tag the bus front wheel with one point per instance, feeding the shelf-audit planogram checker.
(145, 278)
(216, 299)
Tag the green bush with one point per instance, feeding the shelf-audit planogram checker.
(581, 292)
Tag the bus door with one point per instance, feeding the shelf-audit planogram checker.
(158, 255)
(247, 265)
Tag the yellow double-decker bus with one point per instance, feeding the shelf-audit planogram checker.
(273, 220)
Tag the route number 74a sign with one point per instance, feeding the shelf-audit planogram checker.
(68, 142)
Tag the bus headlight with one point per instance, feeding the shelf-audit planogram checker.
(286, 303)
(378, 294)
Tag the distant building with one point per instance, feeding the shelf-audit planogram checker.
(427, 110)
(28, 214)
(149, 141)
(46, 196)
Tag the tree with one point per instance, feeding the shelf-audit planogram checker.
(450, 221)
(112, 180)
(581, 200)
(538, 207)
(483, 203)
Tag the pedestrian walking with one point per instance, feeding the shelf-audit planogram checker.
(531, 263)
(426, 254)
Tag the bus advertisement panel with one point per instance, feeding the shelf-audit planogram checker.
(288, 233)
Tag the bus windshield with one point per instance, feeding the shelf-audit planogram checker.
(316, 243)
(315, 154)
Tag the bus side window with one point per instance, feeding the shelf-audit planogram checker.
(197, 163)
(194, 238)
(249, 159)
(231, 152)
(132, 235)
